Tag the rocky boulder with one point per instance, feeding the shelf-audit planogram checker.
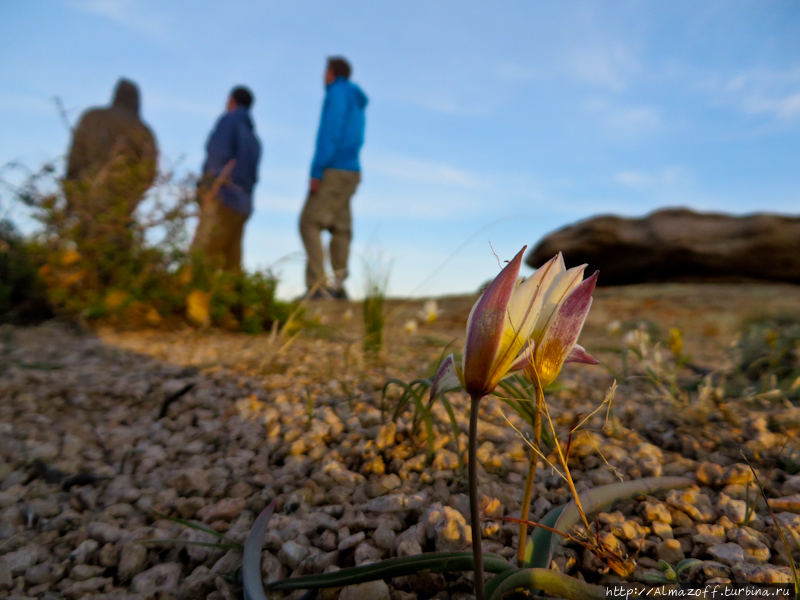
(678, 244)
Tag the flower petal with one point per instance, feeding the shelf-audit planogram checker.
(446, 378)
(522, 314)
(563, 331)
(525, 358)
(526, 301)
(485, 328)
(578, 354)
(559, 288)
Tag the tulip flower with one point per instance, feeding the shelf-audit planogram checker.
(555, 335)
(530, 324)
(567, 303)
(515, 325)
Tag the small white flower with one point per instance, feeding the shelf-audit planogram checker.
(636, 339)
(411, 326)
(430, 311)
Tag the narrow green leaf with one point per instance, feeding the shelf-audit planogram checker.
(199, 527)
(423, 382)
(407, 565)
(454, 426)
(687, 563)
(426, 418)
(512, 390)
(539, 541)
(653, 579)
(552, 582)
(401, 403)
(597, 498)
(251, 562)
(491, 586)
(174, 542)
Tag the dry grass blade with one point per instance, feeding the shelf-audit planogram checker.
(593, 500)
(792, 563)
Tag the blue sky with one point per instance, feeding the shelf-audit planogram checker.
(487, 122)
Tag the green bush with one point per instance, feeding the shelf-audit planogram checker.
(23, 297)
(98, 259)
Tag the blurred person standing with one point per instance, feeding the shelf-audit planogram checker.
(225, 191)
(335, 175)
(111, 163)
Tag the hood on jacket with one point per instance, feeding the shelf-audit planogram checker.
(126, 96)
(360, 96)
(356, 92)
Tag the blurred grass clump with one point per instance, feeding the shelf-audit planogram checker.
(768, 357)
(377, 281)
(99, 259)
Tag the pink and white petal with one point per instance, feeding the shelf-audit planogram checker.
(572, 278)
(523, 310)
(560, 264)
(524, 359)
(485, 328)
(578, 354)
(446, 378)
(526, 302)
(563, 330)
(559, 288)
(519, 304)
(549, 272)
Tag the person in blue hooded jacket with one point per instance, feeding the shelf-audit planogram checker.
(335, 175)
(230, 173)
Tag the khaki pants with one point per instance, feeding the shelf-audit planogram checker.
(218, 236)
(329, 209)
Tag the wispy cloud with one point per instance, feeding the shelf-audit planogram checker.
(603, 63)
(423, 171)
(510, 71)
(416, 204)
(444, 102)
(626, 120)
(786, 107)
(771, 92)
(129, 14)
(669, 176)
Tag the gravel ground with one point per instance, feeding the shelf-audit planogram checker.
(103, 435)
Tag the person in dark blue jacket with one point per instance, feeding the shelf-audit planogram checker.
(230, 173)
(335, 175)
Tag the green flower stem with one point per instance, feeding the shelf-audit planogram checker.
(526, 499)
(526, 505)
(474, 509)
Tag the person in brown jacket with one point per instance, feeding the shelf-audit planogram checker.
(111, 162)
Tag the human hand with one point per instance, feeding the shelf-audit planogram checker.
(314, 185)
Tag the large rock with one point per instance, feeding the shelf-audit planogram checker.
(678, 244)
